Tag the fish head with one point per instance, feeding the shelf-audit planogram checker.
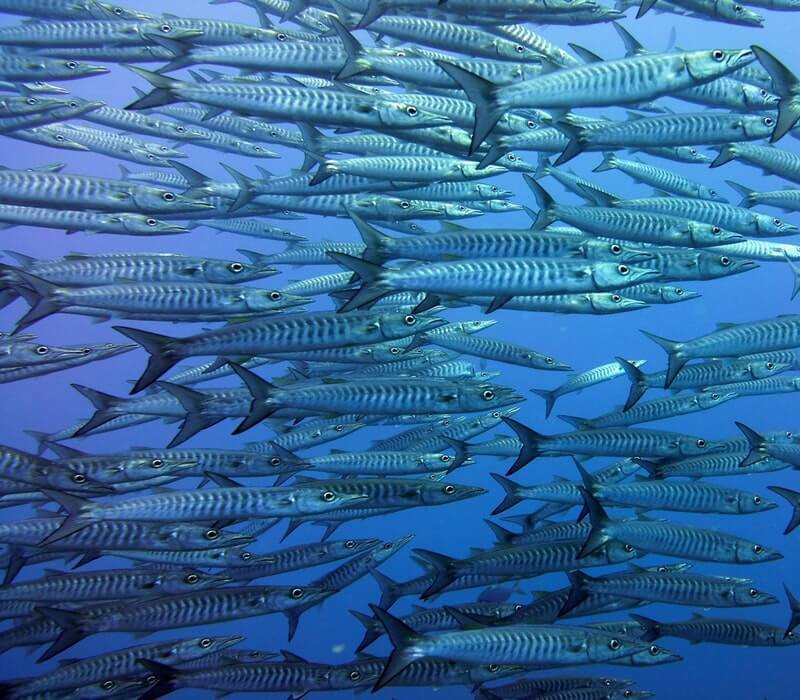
(183, 132)
(496, 206)
(766, 368)
(173, 582)
(757, 126)
(669, 294)
(191, 536)
(712, 265)
(512, 51)
(689, 154)
(630, 694)
(649, 655)
(773, 226)
(595, 249)
(608, 647)
(714, 397)
(617, 552)
(40, 353)
(753, 552)
(440, 492)
(474, 326)
(56, 137)
(354, 675)
(747, 502)
(385, 550)
(706, 65)
(228, 272)
(396, 208)
(736, 13)
(112, 688)
(71, 69)
(704, 234)
(146, 156)
(616, 275)
(477, 397)
(688, 446)
(287, 597)
(485, 673)
(348, 547)
(487, 191)
(196, 648)
(613, 303)
(514, 162)
(458, 210)
(109, 10)
(164, 29)
(140, 224)
(261, 300)
(395, 325)
(789, 638)
(155, 199)
(321, 499)
(757, 98)
(401, 115)
(743, 593)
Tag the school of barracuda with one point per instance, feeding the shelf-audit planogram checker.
(421, 102)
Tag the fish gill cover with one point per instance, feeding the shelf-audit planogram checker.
(350, 307)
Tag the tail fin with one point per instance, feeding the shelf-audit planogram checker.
(796, 272)
(370, 633)
(651, 627)
(403, 639)
(374, 241)
(747, 194)
(312, 144)
(483, 94)
(609, 162)
(549, 396)
(354, 64)
(638, 382)
(599, 520)
(794, 608)
(545, 217)
(326, 169)
(195, 420)
(71, 631)
(162, 356)
(757, 445)
(164, 91)
(726, 154)
(787, 86)
(576, 422)
(632, 45)
(246, 192)
(77, 510)
(372, 288)
(512, 496)
(461, 450)
(503, 536)
(653, 469)
(375, 10)
(530, 444)
(577, 139)
(578, 591)
(542, 166)
(261, 391)
(442, 566)
(644, 7)
(794, 500)
(39, 294)
(104, 403)
(676, 358)
(389, 589)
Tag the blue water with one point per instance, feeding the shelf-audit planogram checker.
(49, 403)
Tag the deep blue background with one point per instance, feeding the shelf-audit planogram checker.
(48, 403)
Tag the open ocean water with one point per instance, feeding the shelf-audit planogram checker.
(330, 633)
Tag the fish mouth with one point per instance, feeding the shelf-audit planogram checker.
(745, 265)
(560, 367)
(511, 411)
(173, 228)
(638, 256)
(94, 70)
(230, 641)
(744, 56)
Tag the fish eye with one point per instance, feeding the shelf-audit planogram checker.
(769, 121)
(354, 676)
(623, 269)
(72, 65)
(693, 151)
(753, 593)
(715, 229)
(168, 197)
(32, 101)
(616, 298)
(719, 54)
(165, 28)
(531, 124)
(770, 365)
(445, 458)
(42, 350)
(496, 414)
(701, 443)
(72, 104)
(614, 645)
(339, 428)
(150, 222)
(449, 489)
(296, 593)
(654, 650)
(518, 607)
(328, 496)
(715, 396)
(495, 188)
(205, 642)
(117, 11)
(246, 556)
(388, 545)
(628, 693)
(757, 500)
(628, 547)
(488, 394)
(275, 461)
(616, 248)
(512, 157)
(790, 635)
(519, 48)
(107, 685)
(725, 261)
(762, 92)
(274, 296)
(493, 668)
(548, 360)
(180, 129)
(212, 534)
(404, 204)
(737, 8)
(86, 351)
(192, 578)
(349, 544)
(412, 111)
(679, 291)
(157, 463)
(662, 569)
(281, 37)
(757, 549)
(777, 222)
(394, 351)
(400, 54)
(236, 267)
(413, 227)
(409, 320)
(79, 478)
